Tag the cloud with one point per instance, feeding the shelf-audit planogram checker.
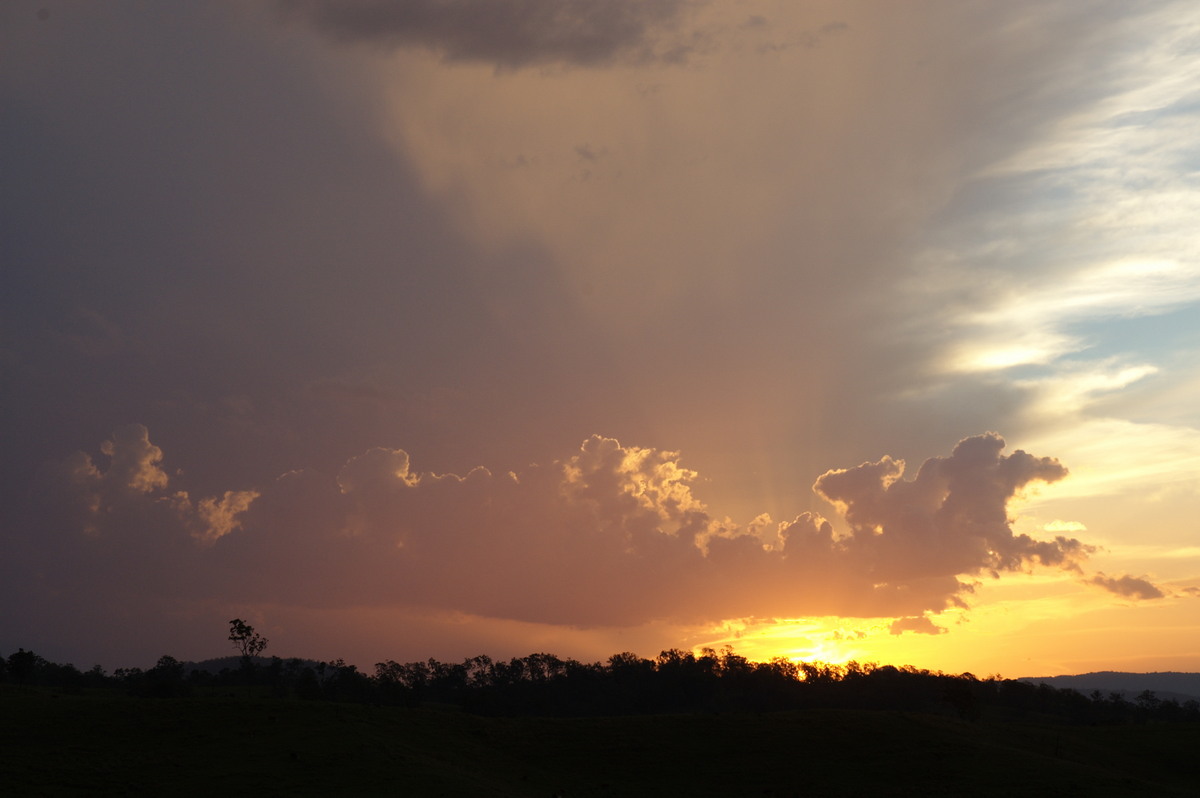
(212, 518)
(612, 535)
(857, 634)
(481, 313)
(91, 491)
(121, 497)
(1126, 586)
(1132, 459)
(1026, 326)
(951, 519)
(919, 624)
(507, 33)
(135, 460)
(806, 39)
(378, 470)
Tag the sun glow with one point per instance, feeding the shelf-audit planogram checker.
(829, 640)
(1017, 632)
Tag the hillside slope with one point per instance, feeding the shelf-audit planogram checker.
(60, 744)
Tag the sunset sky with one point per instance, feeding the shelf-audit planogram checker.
(824, 330)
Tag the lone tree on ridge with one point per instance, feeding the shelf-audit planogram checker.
(245, 639)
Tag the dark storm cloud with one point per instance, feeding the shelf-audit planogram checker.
(507, 33)
(201, 234)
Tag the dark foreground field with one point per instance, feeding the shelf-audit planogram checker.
(54, 743)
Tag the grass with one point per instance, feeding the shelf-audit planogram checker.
(58, 744)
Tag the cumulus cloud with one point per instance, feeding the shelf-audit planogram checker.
(212, 518)
(635, 487)
(612, 535)
(507, 33)
(378, 470)
(132, 470)
(116, 499)
(1126, 586)
(134, 461)
(952, 518)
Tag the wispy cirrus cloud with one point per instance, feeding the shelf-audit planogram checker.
(1089, 222)
(1040, 322)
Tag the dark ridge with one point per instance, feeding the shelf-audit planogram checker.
(1165, 685)
(674, 682)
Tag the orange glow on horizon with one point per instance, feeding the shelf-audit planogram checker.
(1040, 625)
(830, 640)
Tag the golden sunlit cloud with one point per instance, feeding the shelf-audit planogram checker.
(1064, 526)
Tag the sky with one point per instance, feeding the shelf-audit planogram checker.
(823, 330)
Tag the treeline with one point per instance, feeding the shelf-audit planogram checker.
(674, 682)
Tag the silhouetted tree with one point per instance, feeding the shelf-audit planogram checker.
(307, 685)
(675, 681)
(245, 639)
(164, 680)
(23, 666)
(1147, 700)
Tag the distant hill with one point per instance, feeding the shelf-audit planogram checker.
(233, 663)
(218, 664)
(1166, 686)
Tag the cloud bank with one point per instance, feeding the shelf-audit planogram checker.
(609, 536)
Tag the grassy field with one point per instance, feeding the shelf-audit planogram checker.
(52, 743)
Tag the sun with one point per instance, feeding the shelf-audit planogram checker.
(828, 640)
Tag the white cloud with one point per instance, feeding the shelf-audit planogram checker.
(1112, 456)
(1074, 386)
(1092, 221)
